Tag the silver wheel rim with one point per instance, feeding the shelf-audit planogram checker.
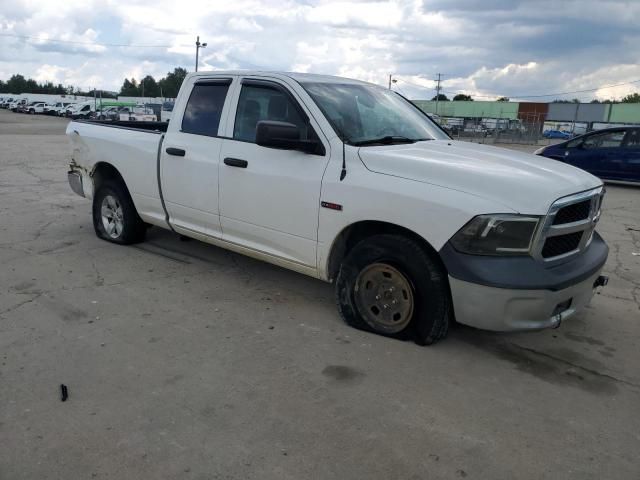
(112, 219)
(384, 298)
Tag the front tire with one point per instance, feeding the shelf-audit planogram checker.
(389, 284)
(115, 218)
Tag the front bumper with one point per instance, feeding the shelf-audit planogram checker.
(521, 293)
(503, 309)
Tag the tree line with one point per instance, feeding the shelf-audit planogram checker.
(631, 98)
(167, 86)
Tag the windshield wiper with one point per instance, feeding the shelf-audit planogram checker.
(388, 140)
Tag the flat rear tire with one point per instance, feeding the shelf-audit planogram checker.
(115, 218)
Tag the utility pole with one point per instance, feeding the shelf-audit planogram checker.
(391, 80)
(438, 91)
(198, 47)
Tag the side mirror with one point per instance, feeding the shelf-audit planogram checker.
(283, 135)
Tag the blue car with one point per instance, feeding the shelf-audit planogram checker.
(612, 154)
(556, 134)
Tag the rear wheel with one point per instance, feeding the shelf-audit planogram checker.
(115, 218)
(389, 284)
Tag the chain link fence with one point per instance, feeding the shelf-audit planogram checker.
(526, 130)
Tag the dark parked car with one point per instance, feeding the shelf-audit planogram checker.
(557, 134)
(611, 154)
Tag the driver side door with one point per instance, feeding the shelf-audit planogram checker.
(269, 198)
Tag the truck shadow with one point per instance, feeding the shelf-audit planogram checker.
(556, 361)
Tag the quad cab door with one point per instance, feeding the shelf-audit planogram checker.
(190, 158)
(269, 197)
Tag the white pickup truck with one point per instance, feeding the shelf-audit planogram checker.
(351, 183)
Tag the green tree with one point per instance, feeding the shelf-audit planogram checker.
(149, 87)
(170, 85)
(441, 97)
(129, 88)
(461, 97)
(631, 98)
(503, 99)
(17, 84)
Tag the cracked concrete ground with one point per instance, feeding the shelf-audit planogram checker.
(186, 361)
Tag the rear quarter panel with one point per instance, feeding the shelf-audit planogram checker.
(132, 152)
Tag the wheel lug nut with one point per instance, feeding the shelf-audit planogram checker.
(386, 306)
(377, 297)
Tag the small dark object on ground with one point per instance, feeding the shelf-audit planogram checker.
(65, 392)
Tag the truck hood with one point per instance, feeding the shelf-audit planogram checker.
(522, 182)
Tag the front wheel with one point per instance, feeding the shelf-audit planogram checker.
(115, 218)
(389, 284)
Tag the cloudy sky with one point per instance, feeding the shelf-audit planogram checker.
(486, 48)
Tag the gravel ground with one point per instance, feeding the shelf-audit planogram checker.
(186, 361)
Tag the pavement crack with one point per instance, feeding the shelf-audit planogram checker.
(20, 304)
(41, 230)
(99, 277)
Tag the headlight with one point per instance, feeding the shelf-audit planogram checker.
(539, 151)
(496, 235)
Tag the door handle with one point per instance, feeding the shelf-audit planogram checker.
(236, 162)
(178, 152)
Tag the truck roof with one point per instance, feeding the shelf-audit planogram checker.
(299, 77)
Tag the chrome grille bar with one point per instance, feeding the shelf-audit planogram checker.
(587, 226)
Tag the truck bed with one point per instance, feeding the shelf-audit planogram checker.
(132, 148)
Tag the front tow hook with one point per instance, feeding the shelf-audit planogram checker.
(601, 281)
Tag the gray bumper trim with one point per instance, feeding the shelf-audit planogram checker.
(503, 309)
(75, 182)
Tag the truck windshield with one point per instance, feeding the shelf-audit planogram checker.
(370, 115)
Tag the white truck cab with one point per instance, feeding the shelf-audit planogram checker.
(36, 107)
(351, 183)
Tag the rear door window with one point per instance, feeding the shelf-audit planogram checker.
(204, 108)
(632, 140)
(604, 140)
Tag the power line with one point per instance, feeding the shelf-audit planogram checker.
(577, 91)
(77, 42)
(414, 84)
(529, 96)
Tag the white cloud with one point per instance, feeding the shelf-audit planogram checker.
(241, 24)
(484, 47)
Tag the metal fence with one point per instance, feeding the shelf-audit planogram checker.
(527, 130)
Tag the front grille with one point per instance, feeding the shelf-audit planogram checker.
(573, 213)
(568, 227)
(561, 244)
